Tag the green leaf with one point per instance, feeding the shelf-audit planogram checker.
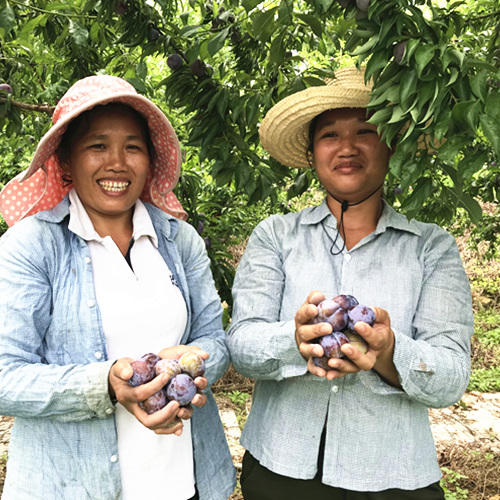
(380, 116)
(478, 85)
(407, 86)
(366, 46)
(7, 19)
(277, 50)
(78, 33)
(249, 5)
(490, 128)
(263, 24)
(190, 30)
(469, 203)
(376, 63)
(420, 194)
(314, 23)
(217, 42)
(391, 94)
(27, 30)
(423, 56)
(467, 113)
(397, 114)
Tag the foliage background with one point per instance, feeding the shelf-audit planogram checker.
(216, 67)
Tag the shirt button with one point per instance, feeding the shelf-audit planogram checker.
(87, 260)
(109, 411)
(113, 458)
(91, 303)
(335, 388)
(347, 257)
(98, 355)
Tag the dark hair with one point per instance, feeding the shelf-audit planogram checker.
(81, 124)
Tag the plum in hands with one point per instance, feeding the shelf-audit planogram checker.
(342, 312)
(181, 389)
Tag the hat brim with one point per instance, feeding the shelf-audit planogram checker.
(163, 136)
(284, 131)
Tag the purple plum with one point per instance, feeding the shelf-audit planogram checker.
(361, 313)
(155, 402)
(331, 312)
(168, 366)
(182, 389)
(144, 369)
(322, 362)
(346, 302)
(331, 344)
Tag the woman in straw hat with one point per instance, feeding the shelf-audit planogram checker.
(357, 427)
(97, 270)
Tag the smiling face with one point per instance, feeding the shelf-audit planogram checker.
(349, 158)
(109, 162)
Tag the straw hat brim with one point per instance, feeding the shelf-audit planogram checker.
(284, 131)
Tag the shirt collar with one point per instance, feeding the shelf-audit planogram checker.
(81, 225)
(389, 218)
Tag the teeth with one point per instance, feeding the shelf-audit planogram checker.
(114, 186)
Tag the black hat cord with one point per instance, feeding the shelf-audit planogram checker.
(344, 206)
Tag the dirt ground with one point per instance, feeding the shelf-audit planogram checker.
(467, 439)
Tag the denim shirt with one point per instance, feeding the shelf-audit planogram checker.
(377, 436)
(54, 366)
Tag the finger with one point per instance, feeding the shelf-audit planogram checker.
(175, 427)
(381, 315)
(361, 361)
(159, 418)
(315, 297)
(343, 365)
(199, 400)
(305, 314)
(122, 369)
(143, 391)
(201, 383)
(315, 370)
(307, 333)
(185, 412)
(309, 350)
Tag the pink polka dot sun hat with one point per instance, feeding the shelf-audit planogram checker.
(40, 186)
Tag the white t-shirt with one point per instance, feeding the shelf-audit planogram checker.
(142, 311)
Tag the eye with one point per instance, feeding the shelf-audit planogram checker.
(328, 134)
(366, 131)
(98, 146)
(134, 147)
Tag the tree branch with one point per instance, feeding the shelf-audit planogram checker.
(41, 108)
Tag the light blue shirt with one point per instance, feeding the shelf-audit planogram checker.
(54, 366)
(377, 436)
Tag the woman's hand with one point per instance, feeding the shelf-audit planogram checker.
(201, 383)
(305, 333)
(167, 420)
(380, 340)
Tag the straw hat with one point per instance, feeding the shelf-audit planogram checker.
(40, 186)
(284, 131)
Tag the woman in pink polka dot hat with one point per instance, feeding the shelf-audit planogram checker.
(98, 269)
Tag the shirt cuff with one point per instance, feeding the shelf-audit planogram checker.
(96, 389)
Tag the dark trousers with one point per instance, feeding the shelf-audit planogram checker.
(259, 483)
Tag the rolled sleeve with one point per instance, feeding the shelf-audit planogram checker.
(434, 363)
(262, 346)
